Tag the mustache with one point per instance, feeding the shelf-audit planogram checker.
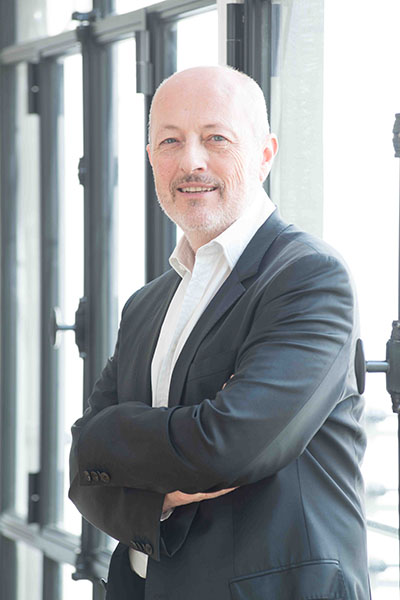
(196, 179)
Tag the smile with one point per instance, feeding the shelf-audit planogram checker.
(196, 190)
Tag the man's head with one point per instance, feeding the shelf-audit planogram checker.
(210, 148)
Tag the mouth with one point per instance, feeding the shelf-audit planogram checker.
(196, 189)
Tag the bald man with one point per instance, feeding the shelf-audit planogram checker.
(222, 442)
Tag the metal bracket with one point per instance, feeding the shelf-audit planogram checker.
(83, 569)
(33, 89)
(144, 68)
(396, 135)
(85, 17)
(82, 171)
(390, 366)
(79, 327)
(33, 497)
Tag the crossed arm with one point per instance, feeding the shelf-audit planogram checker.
(290, 373)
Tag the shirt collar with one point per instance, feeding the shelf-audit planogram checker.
(232, 241)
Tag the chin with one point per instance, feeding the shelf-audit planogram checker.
(208, 224)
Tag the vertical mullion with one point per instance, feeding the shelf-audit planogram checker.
(8, 183)
(51, 579)
(50, 100)
(104, 7)
(260, 36)
(8, 295)
(258, 43)
(99, 162)
(160, 231)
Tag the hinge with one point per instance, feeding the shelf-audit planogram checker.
(33, 497)
(144, 68)
(82, 171)
(33, 89)
(85, 17)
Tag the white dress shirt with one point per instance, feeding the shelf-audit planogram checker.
(202, 276)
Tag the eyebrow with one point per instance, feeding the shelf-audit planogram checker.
(208, 126)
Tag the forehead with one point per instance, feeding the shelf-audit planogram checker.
(198, 104)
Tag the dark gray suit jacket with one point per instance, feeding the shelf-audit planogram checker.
(285, 429)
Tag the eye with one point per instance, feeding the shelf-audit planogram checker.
(218, 138)
(168, 141)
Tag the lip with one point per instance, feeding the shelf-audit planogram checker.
(196, 192)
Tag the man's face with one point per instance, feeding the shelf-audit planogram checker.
(206, 159)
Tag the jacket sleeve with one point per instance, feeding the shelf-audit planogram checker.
(290, 373)
(123, 512)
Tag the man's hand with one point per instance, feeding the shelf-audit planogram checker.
(178, 498)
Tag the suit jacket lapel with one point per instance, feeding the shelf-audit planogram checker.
(144, 358)
(235, 285)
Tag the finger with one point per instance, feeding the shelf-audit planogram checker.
(226, 382)
(210, 495)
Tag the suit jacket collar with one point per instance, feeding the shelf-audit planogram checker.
(247, 266)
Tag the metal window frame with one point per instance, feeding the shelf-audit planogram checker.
(57, 545)
(8, 298)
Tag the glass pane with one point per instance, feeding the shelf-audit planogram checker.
(383, 566)
(71, 275)
(28, 292)
(40, 18)
(78, 590)
(130, 215)
(193, 49)
(29, 579)
(361, 197)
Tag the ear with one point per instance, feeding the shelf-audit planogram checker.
(268, 154)
(149, 153)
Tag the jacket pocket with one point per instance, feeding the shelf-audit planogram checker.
(312, 580)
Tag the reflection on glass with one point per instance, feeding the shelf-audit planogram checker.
(361, 196)
(28, 293)
(41, 18)
(70, 274)
(131, 155)
(29, 584)
(78, 590)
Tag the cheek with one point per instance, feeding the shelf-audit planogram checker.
(238, 166)
(163, 171)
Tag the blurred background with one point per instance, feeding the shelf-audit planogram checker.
(81, 228)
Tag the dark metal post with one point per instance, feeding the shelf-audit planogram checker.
(8, 295)
(160, 231)
(253, 42)
(99, 180)
(50, 103)
(235, 36)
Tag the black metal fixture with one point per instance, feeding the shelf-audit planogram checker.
(390, 366)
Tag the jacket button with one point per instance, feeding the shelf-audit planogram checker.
(94, 475)
(148, 548)
(105, 478)
(87, 476)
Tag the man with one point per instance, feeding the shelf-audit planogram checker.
(222, 443)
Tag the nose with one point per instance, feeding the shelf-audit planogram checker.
(193, 157)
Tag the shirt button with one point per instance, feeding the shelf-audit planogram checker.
(105, 478)
(87, 475)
